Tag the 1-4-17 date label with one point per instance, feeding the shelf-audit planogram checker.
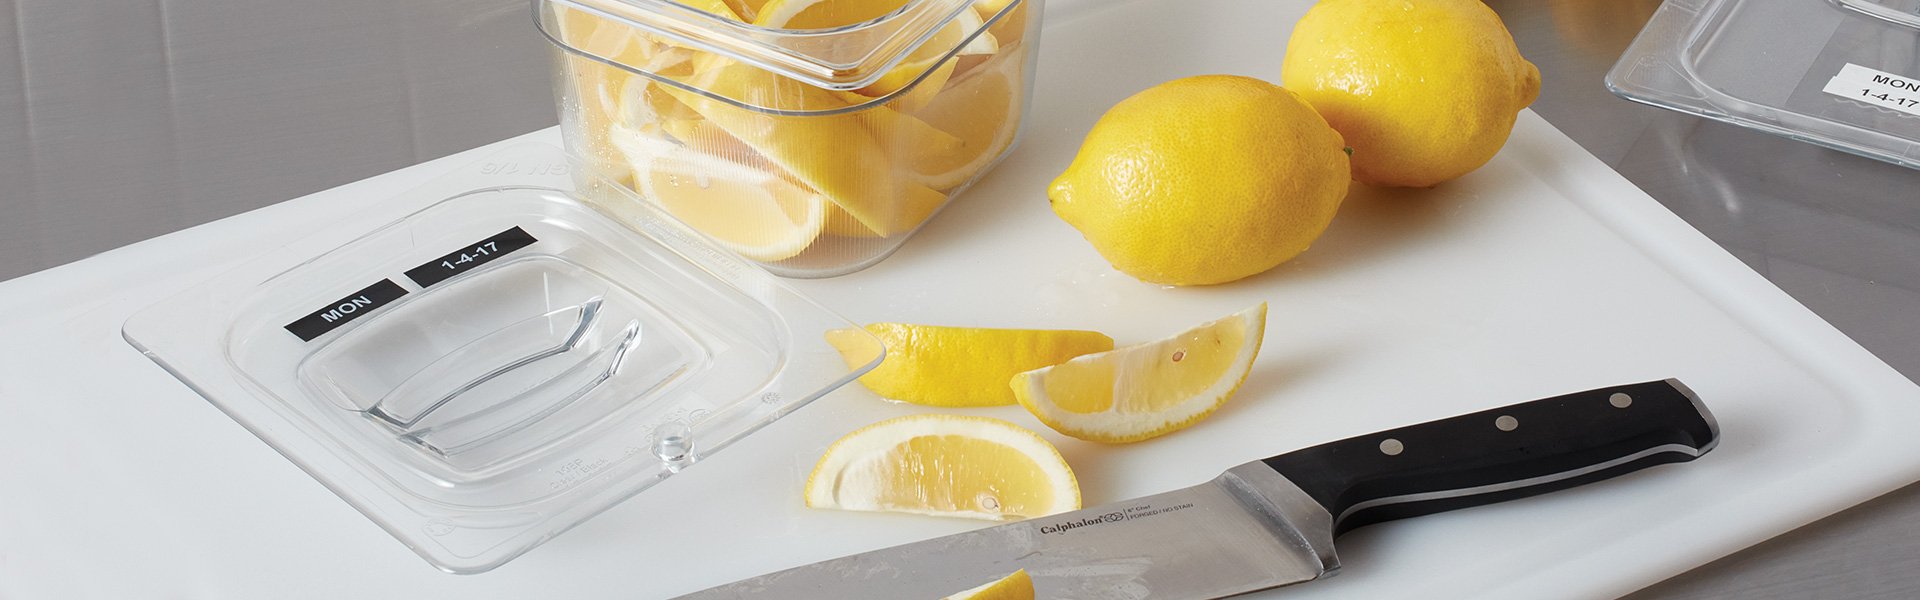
(470, 257)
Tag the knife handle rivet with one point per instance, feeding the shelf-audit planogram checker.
(1619, 400)
(1391, 447)
(1506, 423)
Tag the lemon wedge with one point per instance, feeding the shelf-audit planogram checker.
(1018, 586)
(916, 205)
(1011, 28)
(608, 96)
(748, 210)
(829, 14)
(834, 154)
(944, 465)
(957, 366)
(1147, 390)
(983, 111)
(746, 9)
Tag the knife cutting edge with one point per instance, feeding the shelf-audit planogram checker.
(1272, 522)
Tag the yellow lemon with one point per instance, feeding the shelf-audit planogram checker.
(1149, 390)
(1018, 586)
(957, 366)
(1423, 90)
(1204, 180)
(944, 465)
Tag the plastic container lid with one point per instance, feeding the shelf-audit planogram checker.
(485, 373)
(1839, 73)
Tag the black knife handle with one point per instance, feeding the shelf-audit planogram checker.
(1502, 454)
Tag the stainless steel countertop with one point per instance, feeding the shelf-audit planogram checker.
(122, 121)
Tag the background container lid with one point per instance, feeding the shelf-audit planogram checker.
(489, 371)
(663, 39)
(1840, 73)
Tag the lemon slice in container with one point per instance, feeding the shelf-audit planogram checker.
(750, 211)
(944, 465)
(983, 111)
(1147, 390)
(829, 14)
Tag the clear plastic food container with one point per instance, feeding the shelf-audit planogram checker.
(810, 136)
(1840, 73)
(490, 371)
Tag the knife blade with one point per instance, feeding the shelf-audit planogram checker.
(1272, 522)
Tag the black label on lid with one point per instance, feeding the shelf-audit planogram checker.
(346, 309)
(474, 255)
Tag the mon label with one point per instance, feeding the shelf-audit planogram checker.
(341, 311)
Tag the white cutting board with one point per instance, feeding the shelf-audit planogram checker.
(1542, 273)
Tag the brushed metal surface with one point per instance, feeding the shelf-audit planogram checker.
(124, 120)
(1247, 530)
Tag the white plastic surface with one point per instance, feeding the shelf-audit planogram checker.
(1542, 273)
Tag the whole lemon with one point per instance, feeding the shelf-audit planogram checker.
(1204, 180)
(1423, 90)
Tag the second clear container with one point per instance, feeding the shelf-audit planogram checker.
(811, 136)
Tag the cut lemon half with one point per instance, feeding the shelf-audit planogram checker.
(983, 111)
(749, 211)
(1018, 586)
(944, 465)
(957, 366)
(1147, 390)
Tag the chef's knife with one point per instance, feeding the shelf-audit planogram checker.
(1271, 522)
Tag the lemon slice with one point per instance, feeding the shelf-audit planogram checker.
(957, 366)
(1018, 586)
(983, 111)
(749, 211)
(1148, 390)
(944, 465)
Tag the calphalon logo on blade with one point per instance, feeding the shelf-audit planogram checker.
(1136, 512)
